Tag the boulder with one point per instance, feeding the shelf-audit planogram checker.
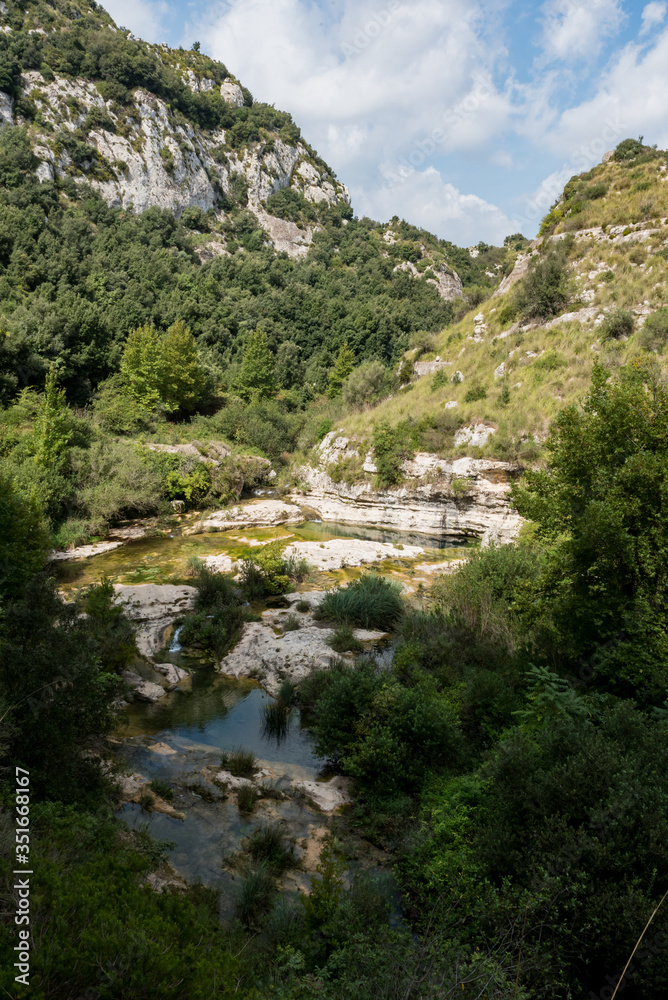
(327, 796)
(147, 691)
(172, 673)
(232, 782)
(255, 514)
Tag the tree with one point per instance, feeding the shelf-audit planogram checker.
(23, 540)
(53, 429)
(344, 364)
(164, 370)
(602, 506)
(256, 378)
(289, 369)
(184, 384)
(143, 365)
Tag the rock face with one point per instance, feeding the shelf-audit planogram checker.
(153, 607)
(256, 514)
(153, 158)
(457, 499)
(270, 657)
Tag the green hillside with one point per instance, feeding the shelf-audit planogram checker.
(594, 289)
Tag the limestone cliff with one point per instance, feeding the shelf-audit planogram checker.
(451, 499)
(143, 149)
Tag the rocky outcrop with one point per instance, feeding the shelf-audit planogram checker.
(270, 655)
(256, 514)
(154, 607)
(450, 498)
(147, 156)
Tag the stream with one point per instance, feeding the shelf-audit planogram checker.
(180, 739)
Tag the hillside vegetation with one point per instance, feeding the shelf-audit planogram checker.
(592, 287)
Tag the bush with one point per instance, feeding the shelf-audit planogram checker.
(364, 386)
(162, 788)
(474, 393)
(628, 149)
(255, 895)
(389, 452)
(241, 763)
(654, 334)
(543, 292)
(268, 845)
(372, 602)
(269, 572)
(246, 798)
(343, 641)
(290, 623)
(618, 323)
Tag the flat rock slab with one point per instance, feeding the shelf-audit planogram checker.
(220, 564)
(83, 551)
(148, 691)
(443, 567)
(153, 607)
(270, 659)
(255, 514)
(340, 552)
(327, 796)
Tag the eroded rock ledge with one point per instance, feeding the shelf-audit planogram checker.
(460, 498)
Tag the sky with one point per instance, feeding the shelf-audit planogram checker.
(464, 118)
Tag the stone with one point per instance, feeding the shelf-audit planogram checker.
(153, 607)
(163, 749)
(148, 691)
(173, 674)
(178, 506)
(83, 551)
(327, 796)
(220, 564)
(232, 782)
(340, 552)
(476, 435)
(450, 566)
(254, 514)
(451, 404)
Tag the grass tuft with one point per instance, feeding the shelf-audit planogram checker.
(241, 763)
(255, 895)
(343, 641)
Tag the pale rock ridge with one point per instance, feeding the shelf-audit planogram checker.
(157, 162)
(476, 506)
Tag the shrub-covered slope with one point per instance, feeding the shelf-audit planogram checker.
(591, 287)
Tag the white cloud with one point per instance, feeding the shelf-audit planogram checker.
(374, 84)
(576, 29)
(143, 17)
(652, 16)
(630, 101)
(426, 200)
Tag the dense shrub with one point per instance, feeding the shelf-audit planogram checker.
(544, 290)
(654, 334)
(372, 602)
(365, 385)
(617, 323)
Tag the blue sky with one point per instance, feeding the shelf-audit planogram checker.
(465, 118)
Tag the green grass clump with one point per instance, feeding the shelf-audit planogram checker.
(276, 720)
(268, 845)
(241, 763)
(255, 895)
(290, 623)
(343, 641)
(162, 788)
(246, 798)
(303, 606)
(371, 602)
